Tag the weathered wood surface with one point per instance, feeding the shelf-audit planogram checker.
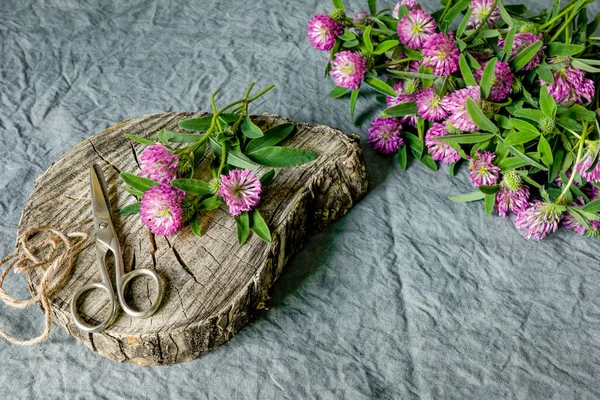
(213, 286)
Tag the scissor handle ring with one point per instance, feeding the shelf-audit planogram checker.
(155, 304)
(75, 315)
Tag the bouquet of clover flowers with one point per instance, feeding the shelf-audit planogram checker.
(169, 194)
(513, 95)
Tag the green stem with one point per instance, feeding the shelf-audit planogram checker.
(483, 23)
(223, 157)
(393, 63)
(565, 25)
(565, 10)
(560, 199)
(446, 9)
(382, 11)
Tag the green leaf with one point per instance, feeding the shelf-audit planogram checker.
(367, 39)
(464, 22)
(402, 109)
(578, 216)
(546, 151)
(271, 137)
(234, 157)
(577, 112)
(523, 126)
(250, 129)
(466, 138)
(557, 49)
(479, 118)
(381, 86)
(162, 138)
(176, 137)
(592, 207)
(504, 14)
(416, 145)
(194, 186)
(467, 197)
(547, 102)
(282, 157)
(531, 114)
(488, 75)
(510, 163)
(267, 178)
(559, 153)
(138, 139)
(353, 98)
(351, 43)
(195, 226)
(455, 10)
(525, 158)
(203, 123)
(243, 227)
(466, 72)
(138, 182)
(131, 209)
(132, 191)
(488, 204)
(210, 203)
(508, 43)
(402, 158)
(526, 55)
(385, 46)
(259, 226)
(347, 35)
(489, 189)
(584, 66)
(408, 74)
(373, 7)
(338, 4)
(429, 162)
(545, 74)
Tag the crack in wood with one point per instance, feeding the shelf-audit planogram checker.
(176, 347)
(135, 157)
(153, 251)
(104, 158)
(184, 265)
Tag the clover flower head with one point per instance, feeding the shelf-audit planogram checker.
(159, 163)
(539, 219)
(440, 151)
(161, 209)
(322, 31)
(415, 27)
(240, 189)
(384, 134)
(348, 69)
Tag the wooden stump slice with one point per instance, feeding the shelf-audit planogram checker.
(212, 285)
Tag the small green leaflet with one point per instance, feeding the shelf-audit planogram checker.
(353, 98)
(381, 86)
(338, 92)
(210, 203)
(489, 189)
(402, 158)
(455, 10)
(529, 113)
(130, 209)
(559, 154)
(525, 158)
(408, 74)
(347, 35)
(132, 191)
(137, 182)
(547, 103)
(479, 118)
(463, 23)
(195, 226)
(281, 157)
(176, 137)
(385, 46)
(592, 207)
(523, 126)
(162, 138)
(488, 204)
(367, 39)
(243, 227)
(194, 186)
(584, 66)
(488, 75)
(504, 14)
(545, 74)
(517, 138)
(511, 163)
(467, 138)
(429, 162)
(234, 157)
(250, 129)
(402, 109)
(416, 145)
(271, 137)
(203, 123)
(338, 4)
(467, 197)
(556, 49)
(466, 72)
(508, 43)
(373, 7)
(526, 55)
(259, 226)
(138, 139)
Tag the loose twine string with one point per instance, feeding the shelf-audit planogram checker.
(54, 276)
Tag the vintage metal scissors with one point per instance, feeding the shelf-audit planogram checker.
(107, 240)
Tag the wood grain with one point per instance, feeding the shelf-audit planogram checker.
(213, 286)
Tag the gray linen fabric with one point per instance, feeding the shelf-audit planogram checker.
(408, 296)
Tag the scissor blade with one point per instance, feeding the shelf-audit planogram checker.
(100, 199)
